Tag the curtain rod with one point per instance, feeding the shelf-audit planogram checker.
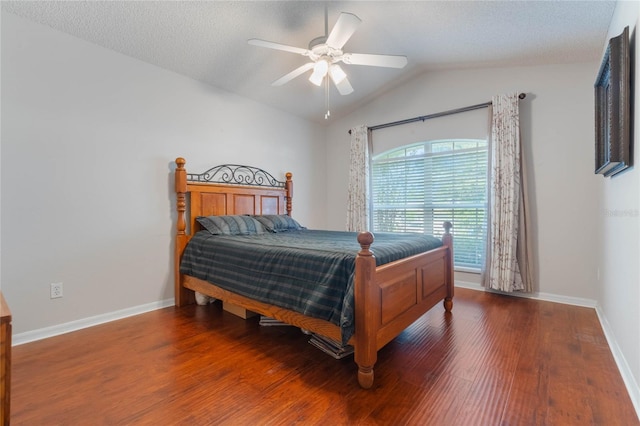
(435, 115)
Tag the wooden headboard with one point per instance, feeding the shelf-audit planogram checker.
(229, 189)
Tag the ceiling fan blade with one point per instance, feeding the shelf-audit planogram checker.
(278, 46)
(293, 74)
(339, 78)
(389, 61)
(343, 30)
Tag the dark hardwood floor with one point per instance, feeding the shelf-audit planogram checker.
(496, 360)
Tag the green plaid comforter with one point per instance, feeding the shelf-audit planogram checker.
(307, 271)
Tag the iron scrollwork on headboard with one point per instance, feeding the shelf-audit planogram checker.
(238, 175)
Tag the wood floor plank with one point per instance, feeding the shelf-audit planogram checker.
(442, 403)
(496, 360)
(528, 398)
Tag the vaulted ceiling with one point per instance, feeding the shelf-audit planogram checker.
(207, 40)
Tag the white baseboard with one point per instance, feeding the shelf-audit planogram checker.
(627, 376)
(55, 330)
(548, 297)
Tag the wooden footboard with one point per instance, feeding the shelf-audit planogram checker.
(391, 297)
(388, 298)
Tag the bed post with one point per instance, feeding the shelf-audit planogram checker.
(367, 320)
(289, 187)
(447, 240)
(180, 293)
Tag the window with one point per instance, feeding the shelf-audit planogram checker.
(417, 187)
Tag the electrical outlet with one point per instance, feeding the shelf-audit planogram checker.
(56, 290)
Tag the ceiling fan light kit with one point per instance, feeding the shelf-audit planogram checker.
(325, 53)
(337, 74)
(319, 71)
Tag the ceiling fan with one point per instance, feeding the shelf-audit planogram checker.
(326, 52)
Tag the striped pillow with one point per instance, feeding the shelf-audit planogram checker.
(278, 222)
(231, 225)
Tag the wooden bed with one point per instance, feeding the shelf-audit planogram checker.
(388, 298)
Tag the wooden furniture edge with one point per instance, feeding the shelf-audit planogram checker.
(367, 306)
(304, 322)
(447, 241)
(5, 362)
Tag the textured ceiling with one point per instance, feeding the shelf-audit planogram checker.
(207, 40)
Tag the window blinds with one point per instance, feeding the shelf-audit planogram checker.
(418, 187)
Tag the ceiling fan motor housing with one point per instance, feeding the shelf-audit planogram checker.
(319, 49)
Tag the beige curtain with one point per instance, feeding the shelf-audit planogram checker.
(358, 196)
(508, 257)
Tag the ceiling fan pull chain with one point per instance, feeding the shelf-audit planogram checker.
(326, 84)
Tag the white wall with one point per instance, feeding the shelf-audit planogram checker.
(557, 130)
(619, 222)
(88, 142)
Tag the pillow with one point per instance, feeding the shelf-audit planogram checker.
(231, 225)
(278, 222)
